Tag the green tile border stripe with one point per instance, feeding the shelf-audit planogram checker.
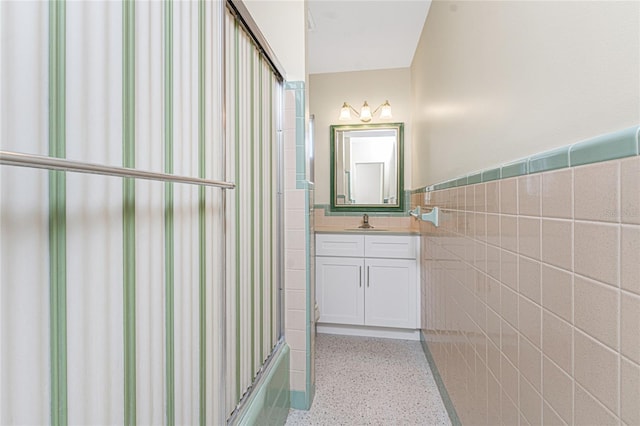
(517, 168)
(202, 223)
(610, 146)
(487, 175)
(620, 144)
(129, 210)
(446, 399)
(57, 215)
(169, 237)
(461, 182)
(298, 87)
(549, 160)
(474, 178)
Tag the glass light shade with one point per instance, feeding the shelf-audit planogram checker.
(385, 112)
(365, 112)
(345, 112)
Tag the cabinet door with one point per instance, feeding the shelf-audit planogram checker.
(340, 290)
(391, 293)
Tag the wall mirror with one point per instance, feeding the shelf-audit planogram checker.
(367, 167)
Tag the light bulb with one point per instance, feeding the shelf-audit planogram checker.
(385, 113)
(365, 113)
(345, 112)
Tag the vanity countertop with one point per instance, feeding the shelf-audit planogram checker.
(356, 230)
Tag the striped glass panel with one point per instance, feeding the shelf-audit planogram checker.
(214, 167)
(25, 387)
(132, 301)
(150, 290)
(94, 119)
(185, 211)
(252, 140)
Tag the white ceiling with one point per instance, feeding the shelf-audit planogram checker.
(357, 35)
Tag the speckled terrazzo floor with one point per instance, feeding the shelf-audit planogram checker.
(371, 381)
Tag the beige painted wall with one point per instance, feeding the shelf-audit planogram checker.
(283, 23)
(496, 81)
(328, 91)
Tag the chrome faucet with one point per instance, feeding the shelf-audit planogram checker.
(365, 222)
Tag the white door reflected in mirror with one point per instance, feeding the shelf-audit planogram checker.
(369, 183)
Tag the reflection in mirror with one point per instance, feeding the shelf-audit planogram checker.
(366, 167)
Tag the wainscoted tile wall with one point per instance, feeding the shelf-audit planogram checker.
(531, 295)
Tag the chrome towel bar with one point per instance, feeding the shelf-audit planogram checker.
(52, 163)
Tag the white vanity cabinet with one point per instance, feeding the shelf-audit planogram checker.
(367, 284)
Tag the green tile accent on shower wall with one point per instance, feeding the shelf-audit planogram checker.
(448, 404)
(606, 147)
(489, 175)
(300, 99)
(301, 399)
(300, 131)
(549, 160)
(270, 404)
(610, 146)
(294, 85)
(517, 168)
(300, 140)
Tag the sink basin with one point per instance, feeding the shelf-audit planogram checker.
(366, 229)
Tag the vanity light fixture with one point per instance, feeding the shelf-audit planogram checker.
(365, 115)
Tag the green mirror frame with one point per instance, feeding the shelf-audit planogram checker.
(399, 207)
